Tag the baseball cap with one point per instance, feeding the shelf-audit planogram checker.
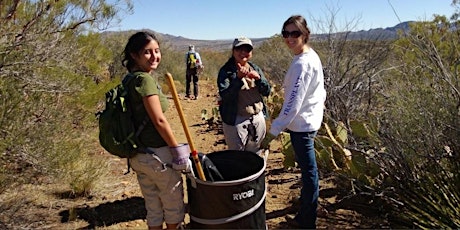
(242, 41)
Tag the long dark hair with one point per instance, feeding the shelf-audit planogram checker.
(300, 22)
(136, 43)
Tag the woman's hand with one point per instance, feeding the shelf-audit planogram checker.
(247, 71)
(253, 75)
(243, 71)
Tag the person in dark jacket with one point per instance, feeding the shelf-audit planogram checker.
(242, 86)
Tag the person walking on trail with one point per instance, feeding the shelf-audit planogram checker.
(161, 186)
(193, 69)
(242, 86)
(302, 114)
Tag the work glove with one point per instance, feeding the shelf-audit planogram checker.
(184, 168)
(266, 141)
(181, 154)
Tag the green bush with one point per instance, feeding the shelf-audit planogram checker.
(420, 127)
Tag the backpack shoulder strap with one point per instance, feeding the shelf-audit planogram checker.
(126, 82)
(128, 79)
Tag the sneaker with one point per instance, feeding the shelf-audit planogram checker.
(195, 97)
(292, 223)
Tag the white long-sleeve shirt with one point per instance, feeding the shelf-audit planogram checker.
(304, 95)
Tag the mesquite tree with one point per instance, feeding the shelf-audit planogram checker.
(44, 65)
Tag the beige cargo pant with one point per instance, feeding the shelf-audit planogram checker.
(161, 186)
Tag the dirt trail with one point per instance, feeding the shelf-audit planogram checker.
(120, 205)
(283, 185)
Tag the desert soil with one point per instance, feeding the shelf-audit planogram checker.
(119, 203)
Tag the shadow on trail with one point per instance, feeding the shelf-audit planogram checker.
(282, 212)
(363, 209)
(108, 213)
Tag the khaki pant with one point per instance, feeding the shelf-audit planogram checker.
(161, 187)
(237, 136)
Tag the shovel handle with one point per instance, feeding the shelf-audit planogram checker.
(195, 157)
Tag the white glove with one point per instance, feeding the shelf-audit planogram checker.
(185, 168)
(181, 155)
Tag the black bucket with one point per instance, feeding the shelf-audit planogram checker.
(237, 201)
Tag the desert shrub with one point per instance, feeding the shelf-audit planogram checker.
(213, 60)
(46, 140)
(422, 190)
(115, 44)
(43, 70)
(172, 61)
(420, 126)
(274, 58)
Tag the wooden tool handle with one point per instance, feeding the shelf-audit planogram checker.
(196, 159)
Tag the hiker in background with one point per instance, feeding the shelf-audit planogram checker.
(301, 114)
(193, 69)
(241, 86)
(161, 186)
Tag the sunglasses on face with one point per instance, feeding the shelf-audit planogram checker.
(292, 34)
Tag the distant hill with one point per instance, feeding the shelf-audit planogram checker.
(181, 43)
(378, 33)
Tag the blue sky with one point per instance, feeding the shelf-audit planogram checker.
(224, 19)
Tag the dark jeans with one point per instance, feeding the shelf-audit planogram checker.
(303, 143)
(191, 74)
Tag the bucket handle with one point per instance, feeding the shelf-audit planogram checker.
(192, 178)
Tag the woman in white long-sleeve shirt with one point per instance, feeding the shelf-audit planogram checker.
(302, 113)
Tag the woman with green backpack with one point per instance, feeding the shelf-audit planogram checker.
(161, 186)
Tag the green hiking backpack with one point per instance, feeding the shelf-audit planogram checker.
(191, 62)
(117, 133)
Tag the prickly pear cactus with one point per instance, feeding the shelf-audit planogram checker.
(332, 152)
(275, 101)
(331, 143)
(288, 151)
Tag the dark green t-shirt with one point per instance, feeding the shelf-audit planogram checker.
(144, 85)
